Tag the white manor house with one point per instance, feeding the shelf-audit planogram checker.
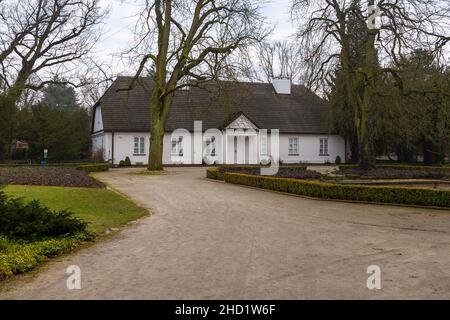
(233, 122)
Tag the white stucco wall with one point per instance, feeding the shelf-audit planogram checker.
(102, 141)
(98, 120)
(124, 147)
(98, 142)
(309, 146)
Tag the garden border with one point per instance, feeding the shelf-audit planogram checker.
(365, 194)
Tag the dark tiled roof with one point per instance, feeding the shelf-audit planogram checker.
(215, 103)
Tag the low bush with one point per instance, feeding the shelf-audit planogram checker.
(212, 173)
(29, 233)
(316, 189)
(125, 163)
(20, 256)
(32, 221)
(98, 167)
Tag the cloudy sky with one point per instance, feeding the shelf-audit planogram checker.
(122, 17)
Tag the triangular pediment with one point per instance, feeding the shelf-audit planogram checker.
(242, 122)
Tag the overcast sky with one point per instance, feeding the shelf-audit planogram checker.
(118, 26)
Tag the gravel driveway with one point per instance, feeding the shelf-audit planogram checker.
(210, 240)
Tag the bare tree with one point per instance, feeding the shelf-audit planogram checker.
(186, 43)
(97, 83)
(42, 42)
(394, 28)
(44, 38)
(280, 58)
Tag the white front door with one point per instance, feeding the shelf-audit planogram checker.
(241, 149)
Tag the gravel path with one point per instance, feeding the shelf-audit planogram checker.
(210, 240)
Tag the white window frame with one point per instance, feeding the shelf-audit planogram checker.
(210, 146)
(176, 147)
(139, 146)
(324, 147)
(293, 146)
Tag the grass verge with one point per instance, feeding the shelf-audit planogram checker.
(103, 209)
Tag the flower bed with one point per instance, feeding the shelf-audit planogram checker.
(285, 171)
(48, 176)
(396, 172)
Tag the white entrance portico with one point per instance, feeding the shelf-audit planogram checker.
(241, 138)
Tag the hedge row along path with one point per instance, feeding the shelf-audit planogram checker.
(334, 191)
(213, 240)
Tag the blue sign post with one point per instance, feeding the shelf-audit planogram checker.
(44, 161)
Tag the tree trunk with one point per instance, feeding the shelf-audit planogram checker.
(155, 160)
(365, 125)
(366, 157)
(354, 150)
(353, 82)
(365, 132)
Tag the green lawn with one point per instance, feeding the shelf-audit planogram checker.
(103, 208)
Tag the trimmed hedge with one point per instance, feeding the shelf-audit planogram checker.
(99, 167)
(212, 173)
(316, 189)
